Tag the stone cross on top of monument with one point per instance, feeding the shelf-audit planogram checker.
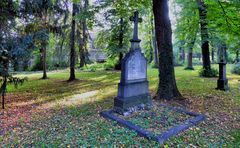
(135, 41)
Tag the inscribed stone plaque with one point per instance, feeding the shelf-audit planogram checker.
(136, 67)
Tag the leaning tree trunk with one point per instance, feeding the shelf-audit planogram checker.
(167, 88)
(120, 46)
(72, 45)
(204, 35)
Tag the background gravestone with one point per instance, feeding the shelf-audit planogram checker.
(222, 83)
(133, 90)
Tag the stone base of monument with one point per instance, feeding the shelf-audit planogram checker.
(135, 97)
(222, 85)
(130, 105)
(139, 121)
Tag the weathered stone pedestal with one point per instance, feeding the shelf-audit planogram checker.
(222, 83)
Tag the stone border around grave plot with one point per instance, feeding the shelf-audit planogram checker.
(161, 138)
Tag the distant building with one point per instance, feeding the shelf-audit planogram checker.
(95, 55)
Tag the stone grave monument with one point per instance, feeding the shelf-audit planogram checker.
(222, 83)
(133, 93)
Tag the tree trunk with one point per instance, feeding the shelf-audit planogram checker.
(190, 53)
(81, 47)
(151, 44)
(204, 35)
(120, 45)
(44, 44)
(167, 88)
(154, 43)
(44, 61)
(85, 35)
(72, 45)
(4, 85)
(60, 57)
(237, 55)
(15, 65)
(213, 58)
(183, 55)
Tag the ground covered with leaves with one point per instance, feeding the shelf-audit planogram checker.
(55, 112)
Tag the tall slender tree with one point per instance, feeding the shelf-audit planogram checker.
(167, 88)
(72, 44)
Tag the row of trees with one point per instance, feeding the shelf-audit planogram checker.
(29, 26)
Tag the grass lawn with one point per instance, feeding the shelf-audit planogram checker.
(54, 112)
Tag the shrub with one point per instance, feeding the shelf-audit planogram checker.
(208, 73)
(109, 65)
(154, 65)
(236, 68)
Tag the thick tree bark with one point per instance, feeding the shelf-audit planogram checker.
(204, 34)
(72, 45)
(167, 88)
(120, 45)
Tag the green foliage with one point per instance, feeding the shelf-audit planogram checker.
(208, 73)
(109, 65)
(108, 39)
(154, 65)
(236, 69)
